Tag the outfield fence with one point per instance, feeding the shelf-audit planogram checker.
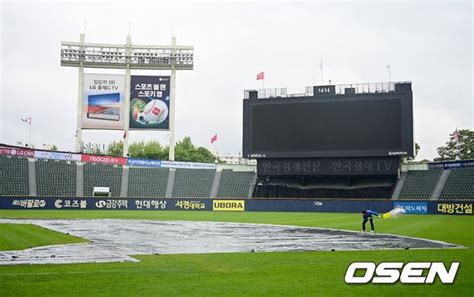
(447, 207)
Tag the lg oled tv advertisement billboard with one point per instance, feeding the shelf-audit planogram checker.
(103, 101)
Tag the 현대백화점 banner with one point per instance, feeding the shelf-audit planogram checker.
(149, 102)
(103, 101)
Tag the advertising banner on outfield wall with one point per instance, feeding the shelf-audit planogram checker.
(451, 164)
(103, 101)
(228, 205)
(104, 159)
(418, 207)
(57, 156)
(143, 162)
(187, 165)
(67, 203)
(445, 207)
(149, 102)
(17, 152)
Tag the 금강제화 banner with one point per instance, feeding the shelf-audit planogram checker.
(103, 101)
(149, 102)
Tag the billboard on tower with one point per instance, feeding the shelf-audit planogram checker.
(149, 102)
(103, 101)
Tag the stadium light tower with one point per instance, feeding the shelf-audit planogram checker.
(127, 57)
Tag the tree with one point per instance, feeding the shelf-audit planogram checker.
(410, 159)
(184, 151)
(152, 150)
(460, 146)
(115, 149)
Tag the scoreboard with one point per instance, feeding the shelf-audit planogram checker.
(329, 166)
(329, 125)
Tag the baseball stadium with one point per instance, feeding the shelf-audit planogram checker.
(329, 201)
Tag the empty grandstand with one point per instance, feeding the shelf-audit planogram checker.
(459, 185)
(147, 182)
(193, 183)
(55, 178)
(420, 184)
(101, 175)
(13, 176)
(235, 183)
(21, 176)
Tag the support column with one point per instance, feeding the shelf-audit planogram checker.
(32, 177)
(124, 184)
(126, 109)
(440, 185)
(79, 180)
(172, 99)
(170, 183)
(399, 185)
(80, 87)
(216, 183)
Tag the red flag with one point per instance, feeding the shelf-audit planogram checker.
(261, 75)
(456, 135)
(213, 138)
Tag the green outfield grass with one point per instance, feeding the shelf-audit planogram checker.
(247, 274)
(23, 236)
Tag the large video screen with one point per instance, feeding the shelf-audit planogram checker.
(342, 126)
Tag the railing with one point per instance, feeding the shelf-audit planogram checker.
(344, 89)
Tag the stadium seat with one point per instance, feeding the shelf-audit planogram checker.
(235, 184)
(459, 185)
(101, 175)
(420, 184)
(147, 182)
(193, 183)
(55, 178)
(13, 176)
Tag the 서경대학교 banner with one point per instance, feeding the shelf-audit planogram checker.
(103, 101)
(149, 102)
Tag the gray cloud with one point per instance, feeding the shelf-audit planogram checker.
(427, 43)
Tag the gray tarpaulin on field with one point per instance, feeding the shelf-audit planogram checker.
(117, 240)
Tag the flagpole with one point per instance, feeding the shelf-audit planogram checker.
(321, 68)
(29, 133)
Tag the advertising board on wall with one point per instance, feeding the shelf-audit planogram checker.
(143, 162)
(446, 207)
(57, 156)
(103, 159)
(418, 207)
(187, 165)
(149, 102)
(16, 152)
(103, 101)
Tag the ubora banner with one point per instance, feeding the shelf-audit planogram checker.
(104, 159)
(228, 205)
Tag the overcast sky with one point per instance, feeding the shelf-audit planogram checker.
(429, 44)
